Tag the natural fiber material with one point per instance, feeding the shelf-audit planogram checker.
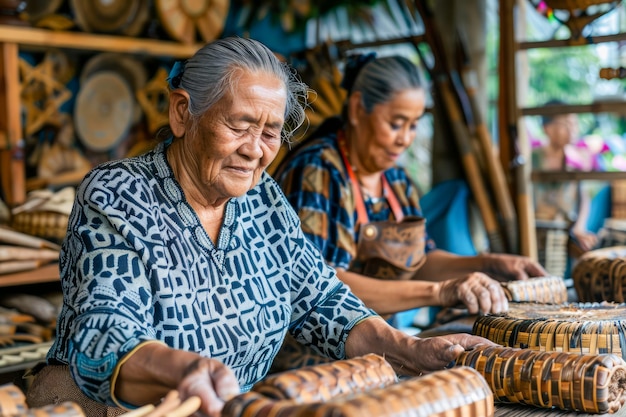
(12, 400)
(43, 224)
(454, 392)
(600, 275)
(323, 382)
(589, 383)
(578, 328)
(550, 290)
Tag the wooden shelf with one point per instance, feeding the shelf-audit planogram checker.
(601, 106)
(48, 273)
(26, 36)
(550, 176)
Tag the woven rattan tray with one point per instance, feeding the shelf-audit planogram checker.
(575, 327)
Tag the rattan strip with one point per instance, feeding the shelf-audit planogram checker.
(453, 392)
(323, 382)
(588, 383)
(550, 290)
(577, 328)
(599, 275)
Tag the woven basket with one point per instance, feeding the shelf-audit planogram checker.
(48, 225)
(549, 290)
(600, 275)
(453, 392)
(588, 383)
(12, 400)
(576, 327)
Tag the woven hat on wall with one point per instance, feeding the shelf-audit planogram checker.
(104, 111)
(124, 17)
(183, 20)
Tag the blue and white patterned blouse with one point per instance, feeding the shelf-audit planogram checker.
(137, 266)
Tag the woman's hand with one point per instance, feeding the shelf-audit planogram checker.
(506, 267)
(476, 291)
(212, 382)
(436, 353)
(585, 240)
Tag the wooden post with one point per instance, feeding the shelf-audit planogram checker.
(12, 171)
(514, 152)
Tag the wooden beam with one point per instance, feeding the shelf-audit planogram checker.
(12, 170)
(551, 176)
(95, 42)
(563, 43)
(595, 107)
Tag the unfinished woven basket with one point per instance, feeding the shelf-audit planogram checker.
(588, 383)
(549, 290)
(576, 327)
(448, 393)
(325, 381)
(600, 275)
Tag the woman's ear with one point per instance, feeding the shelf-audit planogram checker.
(354, 107)
(179, 112)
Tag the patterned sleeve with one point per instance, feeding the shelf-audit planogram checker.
(319, 193)
(105, 283)
(324, 317)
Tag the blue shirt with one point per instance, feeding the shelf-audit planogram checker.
(136, 265)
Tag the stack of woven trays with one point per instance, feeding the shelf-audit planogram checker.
(600, 275)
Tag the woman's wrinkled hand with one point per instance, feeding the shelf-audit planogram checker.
(212, 381)
(436, 353)
(476, 291)
(507, 267)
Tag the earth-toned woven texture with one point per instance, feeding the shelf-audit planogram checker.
(600, 275)
(575, 327)
(323, 382)
(453, 392)
(588, 383)
(549, 290)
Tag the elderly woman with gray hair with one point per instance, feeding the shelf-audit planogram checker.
(362, 210)
(184, 268)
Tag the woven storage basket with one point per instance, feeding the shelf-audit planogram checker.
(460, 391)
(589, 383)
(549, 290)
(48, 225)
(600, 275)
(576, 327)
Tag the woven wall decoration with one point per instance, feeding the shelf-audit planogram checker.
(577, 327)
(600, 275)
(589, 383)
